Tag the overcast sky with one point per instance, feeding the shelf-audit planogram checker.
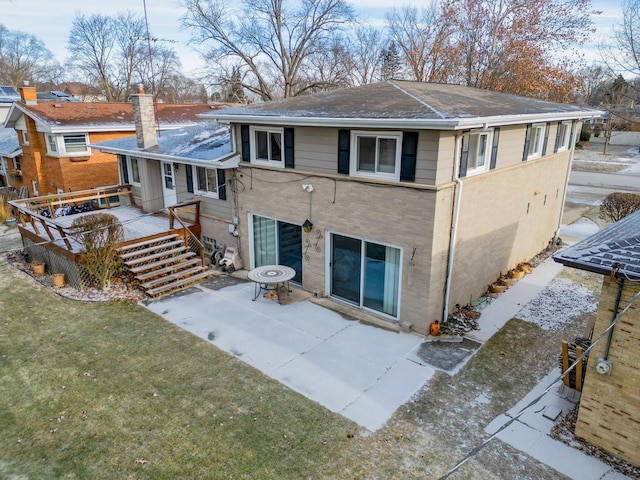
(50, 20)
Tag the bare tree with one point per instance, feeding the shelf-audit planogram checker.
(114, 54)
(25, 57)
(272, 39)
(364, 49)
(623, 53)
(424, 40)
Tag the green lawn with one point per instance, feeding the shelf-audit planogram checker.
(113, 391)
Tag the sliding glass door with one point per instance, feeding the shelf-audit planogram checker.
(277, 243)
(365, 273)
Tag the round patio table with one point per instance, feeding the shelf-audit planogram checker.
(271, 278)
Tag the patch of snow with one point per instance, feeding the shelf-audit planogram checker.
(557, 304)
(581, 228)
(481, 399)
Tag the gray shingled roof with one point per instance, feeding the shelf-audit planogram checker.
(615, 246)
(404, 100)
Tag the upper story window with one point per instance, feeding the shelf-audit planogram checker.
(376, 154)
(536, 140)
(564, 136)
(207, 181)
(478, 160)
(52, 144)
(267, 146)
(71, 145)
(25, 137)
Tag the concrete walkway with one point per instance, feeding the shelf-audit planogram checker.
(359, 371)
(363, 372)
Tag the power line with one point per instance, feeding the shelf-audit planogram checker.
(476, 450)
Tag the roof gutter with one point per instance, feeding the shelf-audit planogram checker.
(228, 161)
(454, 229)
(404, 123)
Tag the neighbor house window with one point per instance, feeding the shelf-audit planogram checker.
(266, 146)
(376, 154)
(34, 188)
(536, 140)
(564, 136)
(52, 144)
(75, 143)
(25, 137)
(16, 163)
(207, 181)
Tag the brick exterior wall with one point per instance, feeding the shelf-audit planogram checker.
(609, 415)
(68, 173)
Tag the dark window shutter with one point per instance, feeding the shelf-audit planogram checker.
(189, 170)
(557, 145)
(123, 169)
(288, 148)
(244, 138)
(408, 157)
(464, 156)
(527, 139)
(344, 147)
(546, 139)
(222, 187)
(494, 148)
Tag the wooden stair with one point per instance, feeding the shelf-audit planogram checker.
(163, 264)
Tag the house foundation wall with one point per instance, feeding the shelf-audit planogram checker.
(609, 415)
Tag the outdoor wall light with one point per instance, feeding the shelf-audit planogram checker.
(307, 226)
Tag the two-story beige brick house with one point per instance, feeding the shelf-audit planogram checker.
(419, 194)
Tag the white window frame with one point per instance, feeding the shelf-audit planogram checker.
(84, 152)
(378, 135)
(254, 147)
(52, 143)
(34, 187)
(129, 161)
(25, 137)
(564, 141)
(207, 192)
(472, 167)
(17, 164)
(535, 148)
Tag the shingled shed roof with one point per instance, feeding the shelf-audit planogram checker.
(98, 116)
(616, 247)
(405, 104)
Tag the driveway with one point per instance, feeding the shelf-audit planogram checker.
(359, 371)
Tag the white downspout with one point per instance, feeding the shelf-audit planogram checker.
(566, 182)
(454, 227)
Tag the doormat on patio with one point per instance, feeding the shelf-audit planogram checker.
(445, 355)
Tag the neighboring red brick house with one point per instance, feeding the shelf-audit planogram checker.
(56, 139)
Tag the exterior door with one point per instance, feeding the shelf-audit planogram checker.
(365, 273)
(168, 185)
(278, 243)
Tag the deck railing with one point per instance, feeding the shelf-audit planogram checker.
(40, 212)
(191, 240)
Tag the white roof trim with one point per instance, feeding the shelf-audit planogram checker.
(403, 123)
(229, 161)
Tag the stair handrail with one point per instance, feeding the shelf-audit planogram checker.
(174, 216)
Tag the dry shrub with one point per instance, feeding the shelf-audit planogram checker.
(99, 234)
(6, 210)
(618, 205)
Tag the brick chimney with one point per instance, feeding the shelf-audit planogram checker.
(145, 119)
(28, 94)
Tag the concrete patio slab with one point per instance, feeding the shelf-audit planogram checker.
(357, 370)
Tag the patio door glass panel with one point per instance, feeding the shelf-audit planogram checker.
(382, 275)
(365, 273)
(290, 248)
(346, 253)
(277, 243)
(264, 241)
